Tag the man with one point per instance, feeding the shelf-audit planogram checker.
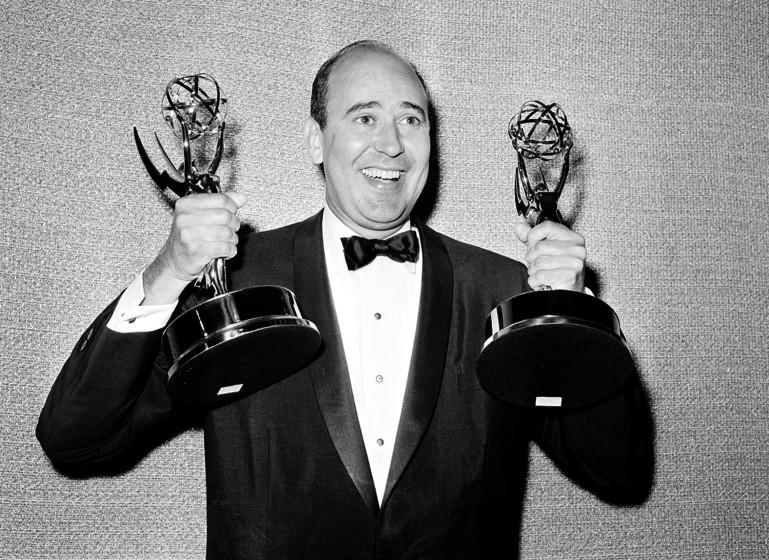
(385, 446)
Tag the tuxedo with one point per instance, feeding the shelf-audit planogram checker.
(286, 469)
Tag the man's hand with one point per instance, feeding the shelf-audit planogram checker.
(555, 256)
(204, 228)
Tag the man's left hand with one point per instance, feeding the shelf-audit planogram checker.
(555, 257)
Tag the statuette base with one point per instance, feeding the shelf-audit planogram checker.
(236, 344)
(555, 348)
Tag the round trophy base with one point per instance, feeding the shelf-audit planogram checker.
(554, 348)
(236, 344)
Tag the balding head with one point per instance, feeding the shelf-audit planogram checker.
(319, 98)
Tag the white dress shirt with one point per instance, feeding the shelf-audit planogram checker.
(376, 310)
(131, 316)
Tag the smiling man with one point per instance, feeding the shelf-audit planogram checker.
(373, 140)
(385, 446)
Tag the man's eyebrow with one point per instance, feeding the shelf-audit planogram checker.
(376, 104)
(362, 106)
(416, 107)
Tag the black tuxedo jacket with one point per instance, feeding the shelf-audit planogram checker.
(287, 473)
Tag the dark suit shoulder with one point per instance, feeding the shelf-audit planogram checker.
(267, 257)
(482, 267)
(285, 233)
(474, 254)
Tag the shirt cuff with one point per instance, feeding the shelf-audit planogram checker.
(131, 316)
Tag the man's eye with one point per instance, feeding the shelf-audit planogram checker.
(412, 120)
(365, 119)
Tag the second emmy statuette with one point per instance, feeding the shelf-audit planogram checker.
(550, 348)
(234, 343)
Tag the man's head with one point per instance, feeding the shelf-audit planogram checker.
(369, 128)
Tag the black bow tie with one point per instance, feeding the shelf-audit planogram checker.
(359, 251)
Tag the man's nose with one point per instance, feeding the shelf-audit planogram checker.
(388, 140)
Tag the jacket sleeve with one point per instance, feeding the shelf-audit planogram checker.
(607, 448)
(108, 406)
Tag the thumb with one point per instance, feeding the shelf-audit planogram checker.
(522, 230)
(238, 198)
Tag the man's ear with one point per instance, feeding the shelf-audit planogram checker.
(313, 136)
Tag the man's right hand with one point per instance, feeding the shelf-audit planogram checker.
(204, 228)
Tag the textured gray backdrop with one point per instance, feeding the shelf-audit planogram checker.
(668, 100)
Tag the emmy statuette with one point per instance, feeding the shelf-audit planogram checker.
(550, 348)
(234, 343)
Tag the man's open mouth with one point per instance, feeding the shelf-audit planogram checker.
(382, 174)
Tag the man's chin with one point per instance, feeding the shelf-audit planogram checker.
(384, 224)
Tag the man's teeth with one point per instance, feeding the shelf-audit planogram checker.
(382, 174)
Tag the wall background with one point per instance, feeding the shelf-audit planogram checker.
(668, 101)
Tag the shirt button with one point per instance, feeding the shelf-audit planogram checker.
(380, 442)
(379, 378)
(377, 316)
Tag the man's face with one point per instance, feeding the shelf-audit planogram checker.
(375, 148)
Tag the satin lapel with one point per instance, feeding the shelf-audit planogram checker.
(429, 354)
(329, 371)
